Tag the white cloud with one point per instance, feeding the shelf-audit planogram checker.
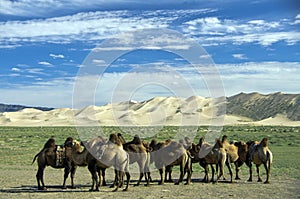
(264, 77)
(54, 56)
(239, 56)
(96, 26)
(99, 62)
(214, 31)
(15, 69)
(38, 71)
(44, 63)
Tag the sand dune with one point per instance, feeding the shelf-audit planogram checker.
(159, 111)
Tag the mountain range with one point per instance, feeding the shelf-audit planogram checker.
(252, 108)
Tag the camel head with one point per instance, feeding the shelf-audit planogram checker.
(73, 145)
(76, 145)
(147, 146)
(194, 150)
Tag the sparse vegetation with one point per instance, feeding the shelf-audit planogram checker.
(18, 145)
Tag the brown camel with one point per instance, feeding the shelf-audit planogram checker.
(168, 154)
(53, 155)
(242, 153)
(259, 153)
(109, 154)
(78, 157)
(138, 153)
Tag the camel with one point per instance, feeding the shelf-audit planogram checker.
(139, 153)
(52, 155)
(259, 153)
(242, 153)
(168, 154)
(75, 156)
(187, 144)
(213, 155)
(109, 154)
(232, 154)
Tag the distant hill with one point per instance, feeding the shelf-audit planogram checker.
(14, 108)
(258, 106)
(242, 109)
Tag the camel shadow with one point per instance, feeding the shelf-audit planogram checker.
(50, 188)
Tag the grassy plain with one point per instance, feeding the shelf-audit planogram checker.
(18, 145)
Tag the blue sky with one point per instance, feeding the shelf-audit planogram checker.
(44, 44)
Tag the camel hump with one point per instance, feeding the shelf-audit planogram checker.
(136, 140)
(50, 143)
(224, 138)
(201, 141)
(121, 138)
(218, 144)
(264, 142)
(113, 138)
(68, 140)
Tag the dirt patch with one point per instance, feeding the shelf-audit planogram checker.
(19, 182)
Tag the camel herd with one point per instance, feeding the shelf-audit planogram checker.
(98, 154)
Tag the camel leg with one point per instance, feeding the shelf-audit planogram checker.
(141, 168)
(161, 172)
(92, 169)
(213, 173)
(188, 170)
(148, 178)
(268, 173)
(221, 170)
(140, 179)
(238, 164)
(258, 175)
(128, 180)
(204, 165)
(237, 169)
(103, 177)
(206, 177)
(73, 171)
(66, 174)
(147, 175)
(40, 179)
(117, 179)
(181, 174)
(250, 172)
(230, 171)
(168, 172)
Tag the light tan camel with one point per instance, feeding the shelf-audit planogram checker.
(232, 154)
(138, 153)
(216, 155)
(171, 153)
(109, 154)
(259, 153)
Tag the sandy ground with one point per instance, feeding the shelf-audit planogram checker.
(19, 182)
